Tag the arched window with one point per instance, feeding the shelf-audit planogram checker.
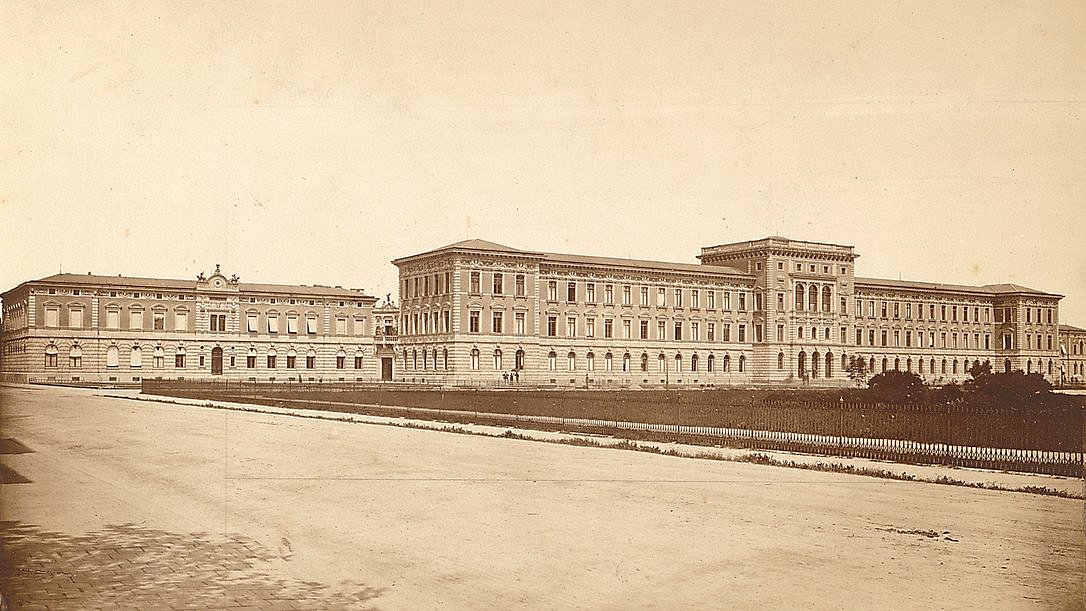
(799, 298)
(829, 364)
(572, 361)
(955, 364)
(920, 366)
(552, 360)
(497, 359)
(943, 368)
(626, 366)
(801, 364)
(678, 363)
(710, 363)
(474, 356)
(815, 364)
(1006, 365)
(113, 357)
(827, 301)
(644, 362)
(693, 362)
(414, 359)
(727, 363)
(885, 363)
(433, 353)
(590, 361)
(742, 363)
(519, 360)
(871, 365)
(660, 362)
(1049, 366)
(51, 355)
(75, 357)
(135, 358)
(1029, 365)
(931, 368)
(897, 364)
(780, 360)
(909, 364)
(812, 298)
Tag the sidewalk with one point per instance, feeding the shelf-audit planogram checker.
(926, 473)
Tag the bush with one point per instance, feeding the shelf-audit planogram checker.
(895, 386)
(1009, 389)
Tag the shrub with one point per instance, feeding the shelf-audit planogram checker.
(895, 386)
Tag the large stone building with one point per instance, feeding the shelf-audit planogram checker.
(87, 328)
(770, 311)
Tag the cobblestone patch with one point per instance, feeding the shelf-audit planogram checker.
(129, 566)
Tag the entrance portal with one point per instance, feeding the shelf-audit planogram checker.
(216, 361)
(386, 368)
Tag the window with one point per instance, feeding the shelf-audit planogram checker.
(179, 360)
(626, 294)
(780, 333)
(627, 332)
(135, 357)
(710, 300)
(75, 318)
(758, 333)
(571, 327)
(552, 361)
(742, 302)
(678, 298)
(181, 321)
(726, 300)
(590, 292)
(473, 321)
(292, 361)
(358, 361)
(217, 322)
(341, 361)
(608, 328)
(496, 323)
(695, 334)
(113, 319)
(273, 323)
(742, 333)
(474, 283)
(590, 327)
(608, 294)
(113, 357)
(552, 326)
(571, 361)
(310, 360)
(292, 324)
(75, 357)
(311, 325)
(519, 282)
(135, 320)
(661, 297)
(251, 322)
(590, 361)
(341, 326)
(644, 295)
(695, 298)
(571, 292)
(661, 329)
(499, 283)
(726, 332)
(474, 359)
(519, 321)
(497, 360)
(50, 356)
(158, 358)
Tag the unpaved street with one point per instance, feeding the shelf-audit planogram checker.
(154, 505)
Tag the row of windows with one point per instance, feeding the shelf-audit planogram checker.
(905, 310)
(679, 297)
(217, 322)
(190, 297)
(75, 359)
(924, 339)
(430, 284)
(676, 330)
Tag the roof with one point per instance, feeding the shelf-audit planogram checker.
(987, 289)
(486, 246)
(697, 268)
(1072, 328)
(190, 285)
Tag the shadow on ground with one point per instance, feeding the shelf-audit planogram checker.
(128, 565)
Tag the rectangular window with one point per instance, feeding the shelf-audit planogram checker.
(590, 292)
(661, 329)
(571, 292)
(292, 324)
(179, 360)
(113, 319)
(519, 318)
(678, 330)
(742, 302)
(644, 295)
(661, 297)
(292, 362)
(710, 331)
(627, 330)
(358, 362)
(758, 302)
(311, 326)
(520, 285)
(341, 326)
(310, 362)
(694, 298)
(271, 361)
(475, 283)
(859, 337)
(726, 300)
(52, 317)
(571, 327)
(870, 337)
(341, 362)
(75, 318)
(552, 290)
(678, 298)
(181, 321)
(608, 328)
(897, 338)
(497, 325)
(644, 329)
(499, 283)
(883, 337)
(552, 326)
(695, 334)
(758, 332)
(626, 294)
(726, 332)
(608, 294)
(710, 300)
(742, 333)
(473, 321)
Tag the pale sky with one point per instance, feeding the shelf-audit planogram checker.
(314, 142)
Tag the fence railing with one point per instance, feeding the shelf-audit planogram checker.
(1040, 441)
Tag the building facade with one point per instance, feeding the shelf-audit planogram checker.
(774, 311)
(1073, 353)
(76, 328)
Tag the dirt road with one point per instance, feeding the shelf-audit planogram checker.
(151, 505)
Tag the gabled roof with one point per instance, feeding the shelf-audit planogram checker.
(697, 268)
(987, 289)
(1072, 328)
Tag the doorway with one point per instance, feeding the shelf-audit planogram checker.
(386, 368)
(216, 361)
